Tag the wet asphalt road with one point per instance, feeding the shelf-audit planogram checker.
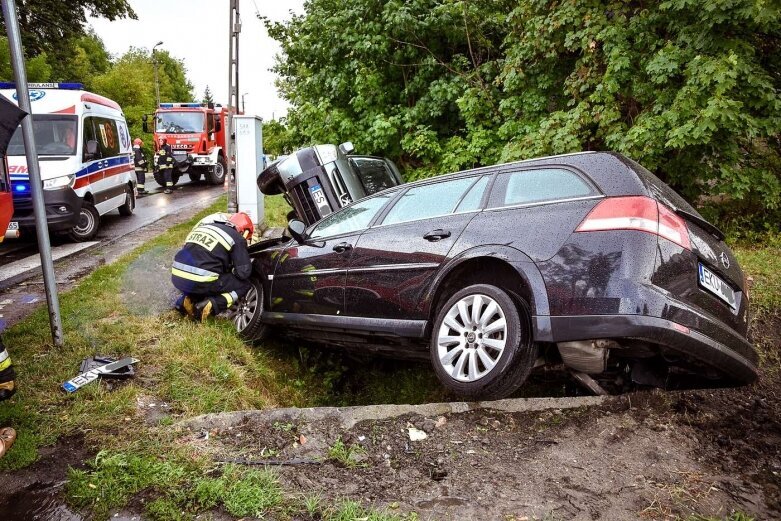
(149, 208)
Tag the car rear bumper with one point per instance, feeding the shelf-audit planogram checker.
(731, 355)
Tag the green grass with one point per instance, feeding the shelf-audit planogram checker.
(276, 210)
(761, 261)
(347, 456)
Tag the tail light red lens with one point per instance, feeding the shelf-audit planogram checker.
(637, 213)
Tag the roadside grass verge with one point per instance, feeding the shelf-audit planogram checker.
(761, 261)
(123, 309)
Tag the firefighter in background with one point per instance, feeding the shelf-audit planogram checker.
(212, 270)
(164, 160)
(140, 163)
(7, 389)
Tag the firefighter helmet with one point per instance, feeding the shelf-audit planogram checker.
(138, 142)
(243, 224)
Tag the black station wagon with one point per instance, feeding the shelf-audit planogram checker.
(585, 259)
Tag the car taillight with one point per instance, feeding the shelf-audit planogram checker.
(637, 213)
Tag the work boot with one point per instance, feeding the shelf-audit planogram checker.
(189, 306)
(168, 191)
(205, 309)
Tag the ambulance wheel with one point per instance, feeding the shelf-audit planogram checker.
(248, 312)
(88, 224)
(216, 174)
(126, 209)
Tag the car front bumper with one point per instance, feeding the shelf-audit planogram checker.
(62, 209)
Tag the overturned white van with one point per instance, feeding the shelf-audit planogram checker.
(85, 156)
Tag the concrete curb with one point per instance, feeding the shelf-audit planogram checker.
(349, 416)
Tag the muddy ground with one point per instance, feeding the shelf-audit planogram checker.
(652, 455)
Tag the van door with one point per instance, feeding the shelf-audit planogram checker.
(106, 173)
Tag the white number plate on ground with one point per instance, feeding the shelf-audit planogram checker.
(718, 287)
(13, 225)
(319, 198)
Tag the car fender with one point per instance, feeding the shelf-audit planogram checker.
(521, 262)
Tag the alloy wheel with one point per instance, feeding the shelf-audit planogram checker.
(472, 338)
(246, 309)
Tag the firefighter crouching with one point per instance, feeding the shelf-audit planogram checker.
(164, 160)
(140, 163)
(7, 389)
(212, 270)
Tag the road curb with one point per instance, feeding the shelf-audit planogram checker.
(349, 416)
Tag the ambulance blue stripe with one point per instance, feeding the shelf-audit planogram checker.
(97, 166)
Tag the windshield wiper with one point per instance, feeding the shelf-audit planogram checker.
(702, 223)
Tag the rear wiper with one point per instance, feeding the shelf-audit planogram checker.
(702, 223)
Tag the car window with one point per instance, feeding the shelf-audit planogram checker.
(107, 136)
(89, 135)
(351, 218)
(534, 186)
(471, 200)
(426, 201)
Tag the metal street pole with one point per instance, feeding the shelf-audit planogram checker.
(234, 21)
(154, 59)
(36, 186)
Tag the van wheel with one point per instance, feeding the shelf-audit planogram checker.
(126, 209)
(481, 343)
(88, 224)
(248, 311)
(216, 174)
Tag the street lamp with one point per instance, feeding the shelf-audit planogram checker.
(157, 84)
(242, 103)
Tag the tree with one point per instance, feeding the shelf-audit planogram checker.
(277, 139)
(689, 88)
(207, 96)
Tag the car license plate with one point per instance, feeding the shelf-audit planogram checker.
(13, 225)
(319, 198)
(718, 287)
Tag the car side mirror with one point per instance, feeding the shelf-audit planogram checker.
(91, 149)
(297, 229)
(347, 148)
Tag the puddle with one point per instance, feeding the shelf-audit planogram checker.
(37, 502)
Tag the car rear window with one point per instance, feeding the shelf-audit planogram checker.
(431, 200)
(535, 186)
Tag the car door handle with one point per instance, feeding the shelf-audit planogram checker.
(436, 235)
(343, 247)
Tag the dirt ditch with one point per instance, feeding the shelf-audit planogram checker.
(652, 455)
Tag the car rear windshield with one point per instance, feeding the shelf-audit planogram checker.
(55, 135)
(660, 191)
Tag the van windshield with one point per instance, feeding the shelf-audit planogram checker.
(179, 122)
(55, 135)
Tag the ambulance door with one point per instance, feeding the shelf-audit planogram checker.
(107, 179)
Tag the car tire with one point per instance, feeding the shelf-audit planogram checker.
(216, 174)
(488, 358)
(249, 308)
(89, 222)
(126, 210)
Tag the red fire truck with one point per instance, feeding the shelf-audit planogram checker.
(196, 133)
(6, 203)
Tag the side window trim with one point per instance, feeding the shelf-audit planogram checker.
(315, 240)
(380, 222)
(497, 191)
(466, 192)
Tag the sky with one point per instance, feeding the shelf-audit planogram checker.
(196, 31)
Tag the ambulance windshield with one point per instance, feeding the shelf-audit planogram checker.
(55, 135)
(179, 122)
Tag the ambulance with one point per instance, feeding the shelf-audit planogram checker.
(85, 156)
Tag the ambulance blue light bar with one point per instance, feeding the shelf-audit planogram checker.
(61, 86)
(181, 105)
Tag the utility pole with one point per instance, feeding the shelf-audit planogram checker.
(157, 83)
(34, 171)
(234, 21)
